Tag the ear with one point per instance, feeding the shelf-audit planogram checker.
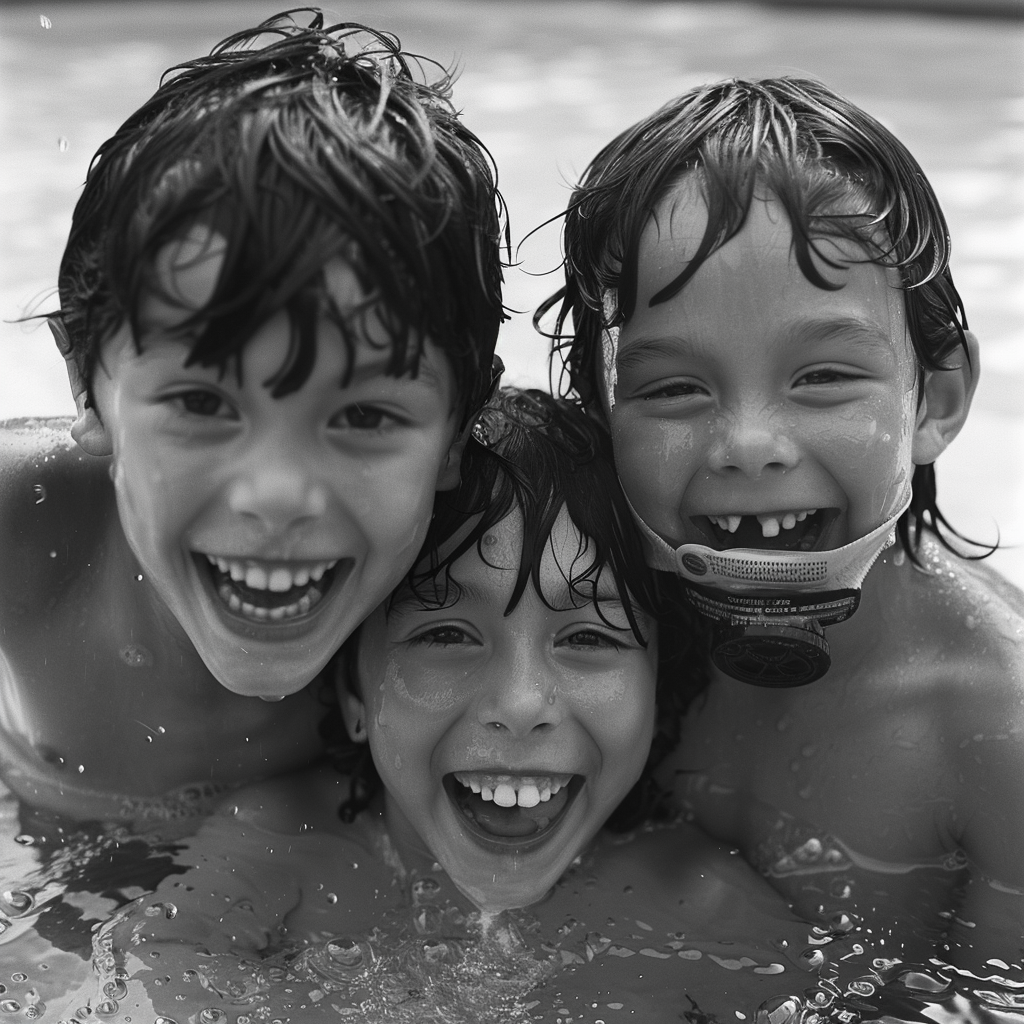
(448, 476)
(353, 713)
(87, 430)
(945, 400)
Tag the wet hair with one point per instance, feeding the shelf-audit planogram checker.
(534, 454)
(299, 144)
(836, 171)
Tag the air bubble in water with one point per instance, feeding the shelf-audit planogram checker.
(35, 1011)
(19, 976)
(211, 1015)
(40, 492)
(107, 1008)
(115, 990)
(45, 21)
(10, 1006)
(168, 910)
(165, 1020)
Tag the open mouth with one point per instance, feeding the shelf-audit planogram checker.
(270, 592)
(794, 530)
(506, 812)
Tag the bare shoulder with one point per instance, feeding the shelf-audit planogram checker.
(56, 505)
(294, 804)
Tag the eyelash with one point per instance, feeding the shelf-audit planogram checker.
(674, 389)
(604, 640)
(429, 638)
(208, 406)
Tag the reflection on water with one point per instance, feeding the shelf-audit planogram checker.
(544, 84)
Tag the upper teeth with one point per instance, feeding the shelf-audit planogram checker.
(510, 790)
(278, 579)
(771, 522)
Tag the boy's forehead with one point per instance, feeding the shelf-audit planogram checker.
(760, 261)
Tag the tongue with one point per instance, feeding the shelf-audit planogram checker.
(514, 822)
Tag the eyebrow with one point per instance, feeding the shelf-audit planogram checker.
(857, 330)
(377, 365)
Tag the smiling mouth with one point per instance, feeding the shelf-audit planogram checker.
(794, 530)
(511, 812)
(271, 592)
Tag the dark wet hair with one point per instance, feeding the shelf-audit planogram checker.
(536, 454)
(836, 171)
(300, 144)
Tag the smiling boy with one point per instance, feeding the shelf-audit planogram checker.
(765, 320)
(279, 304)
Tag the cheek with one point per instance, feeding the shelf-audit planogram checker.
(654, 459)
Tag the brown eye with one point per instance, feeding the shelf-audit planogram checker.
(202, 403)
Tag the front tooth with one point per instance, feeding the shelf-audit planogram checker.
(769, 526)
(788, 521)
(474, 785)
(301, 578)
(279, 581)
(733, 523)
(237, 571)
(504, 795)
(256, 577)
(529, 796)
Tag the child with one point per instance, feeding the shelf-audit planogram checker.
(507, 698)
(764, 318)
(279, 304)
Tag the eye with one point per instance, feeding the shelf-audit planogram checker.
(200, 402)
(591, 639)
(363, 417)
(826, 375)
(443, 636)
(674, 389)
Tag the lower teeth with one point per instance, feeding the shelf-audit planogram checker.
(261, 614)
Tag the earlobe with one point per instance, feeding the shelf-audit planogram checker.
(88, 430)
(944, 404)
(353, 713)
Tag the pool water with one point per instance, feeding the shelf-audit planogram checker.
(544, 84)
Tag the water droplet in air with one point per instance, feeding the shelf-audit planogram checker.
(332, 898)
(45, 21)
(138, 577)
(81, 768)
(62, 144)
(53, 554)
(40, 492)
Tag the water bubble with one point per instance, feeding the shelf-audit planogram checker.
(345, 951)
(40, 492)
(168, 910)
(860, 988)
(428, 919)
(62, 144)
(435, 950)
(211, 1015)
(45, 22)
(17, 902)
(332, 898)
(191, 975)
(425, 889)
(165, 1020)
(136, 656)
(19, 976)
(35, 1011)
(24, 839)
(115, 989)
(779, 1010)
(10, 1006)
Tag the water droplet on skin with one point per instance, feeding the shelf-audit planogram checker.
(332, 898)
(62, 144)
(40, 492)
(45, 22)
(19, 976)
(136, 656)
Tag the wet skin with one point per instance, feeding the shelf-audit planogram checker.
(754, 393)
(121, 638)
(316, 502)
(536, 696)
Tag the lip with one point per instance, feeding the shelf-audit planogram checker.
(518, 845)
(269, 630)
(824, 521)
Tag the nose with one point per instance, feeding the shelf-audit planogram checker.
(278, 488)
(751, 440)
(521, 694)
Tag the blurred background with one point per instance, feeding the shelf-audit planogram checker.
(545, 83)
